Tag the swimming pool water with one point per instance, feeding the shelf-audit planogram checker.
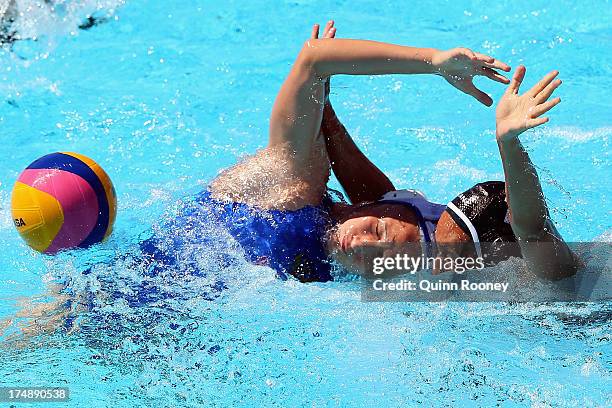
(163, 95)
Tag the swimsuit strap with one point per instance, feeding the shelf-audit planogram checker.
(427, 213)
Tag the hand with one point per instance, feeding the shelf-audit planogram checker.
(516, 113)
(328, 32)
(460, 65)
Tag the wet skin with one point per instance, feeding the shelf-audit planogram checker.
(382, 229)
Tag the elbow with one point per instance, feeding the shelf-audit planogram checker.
(310, 57)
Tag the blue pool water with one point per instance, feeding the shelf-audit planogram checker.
(165, 94)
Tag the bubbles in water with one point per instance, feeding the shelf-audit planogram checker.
(44, 21)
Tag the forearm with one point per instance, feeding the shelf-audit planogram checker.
(360, 178)
(361, 57)
(523, 188)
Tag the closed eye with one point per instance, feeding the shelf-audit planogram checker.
(380, 231)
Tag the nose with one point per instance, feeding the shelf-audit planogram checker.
(359, 241)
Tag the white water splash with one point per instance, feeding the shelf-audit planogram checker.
(34, 19)
(454, 166)
(576, 134)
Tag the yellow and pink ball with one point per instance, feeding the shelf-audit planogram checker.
(62, 201)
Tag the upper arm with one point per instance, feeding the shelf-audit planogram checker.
(297, 112)
(360, 178)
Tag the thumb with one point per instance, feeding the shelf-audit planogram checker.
(480, 96)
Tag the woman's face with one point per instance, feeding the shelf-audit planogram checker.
(375, 230)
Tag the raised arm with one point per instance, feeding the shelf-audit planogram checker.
(541, 244)
(297, 112)
(358, 57)
(360, 178)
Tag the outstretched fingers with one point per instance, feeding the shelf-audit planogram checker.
(498, 65)
(484, 58)
(534, 118)
(541, 109)
(546, 92)
(517, 79)
(544, 82)
(315, 32)
(494, 75)
(490, 62)
(330, 30)
(531, 123)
